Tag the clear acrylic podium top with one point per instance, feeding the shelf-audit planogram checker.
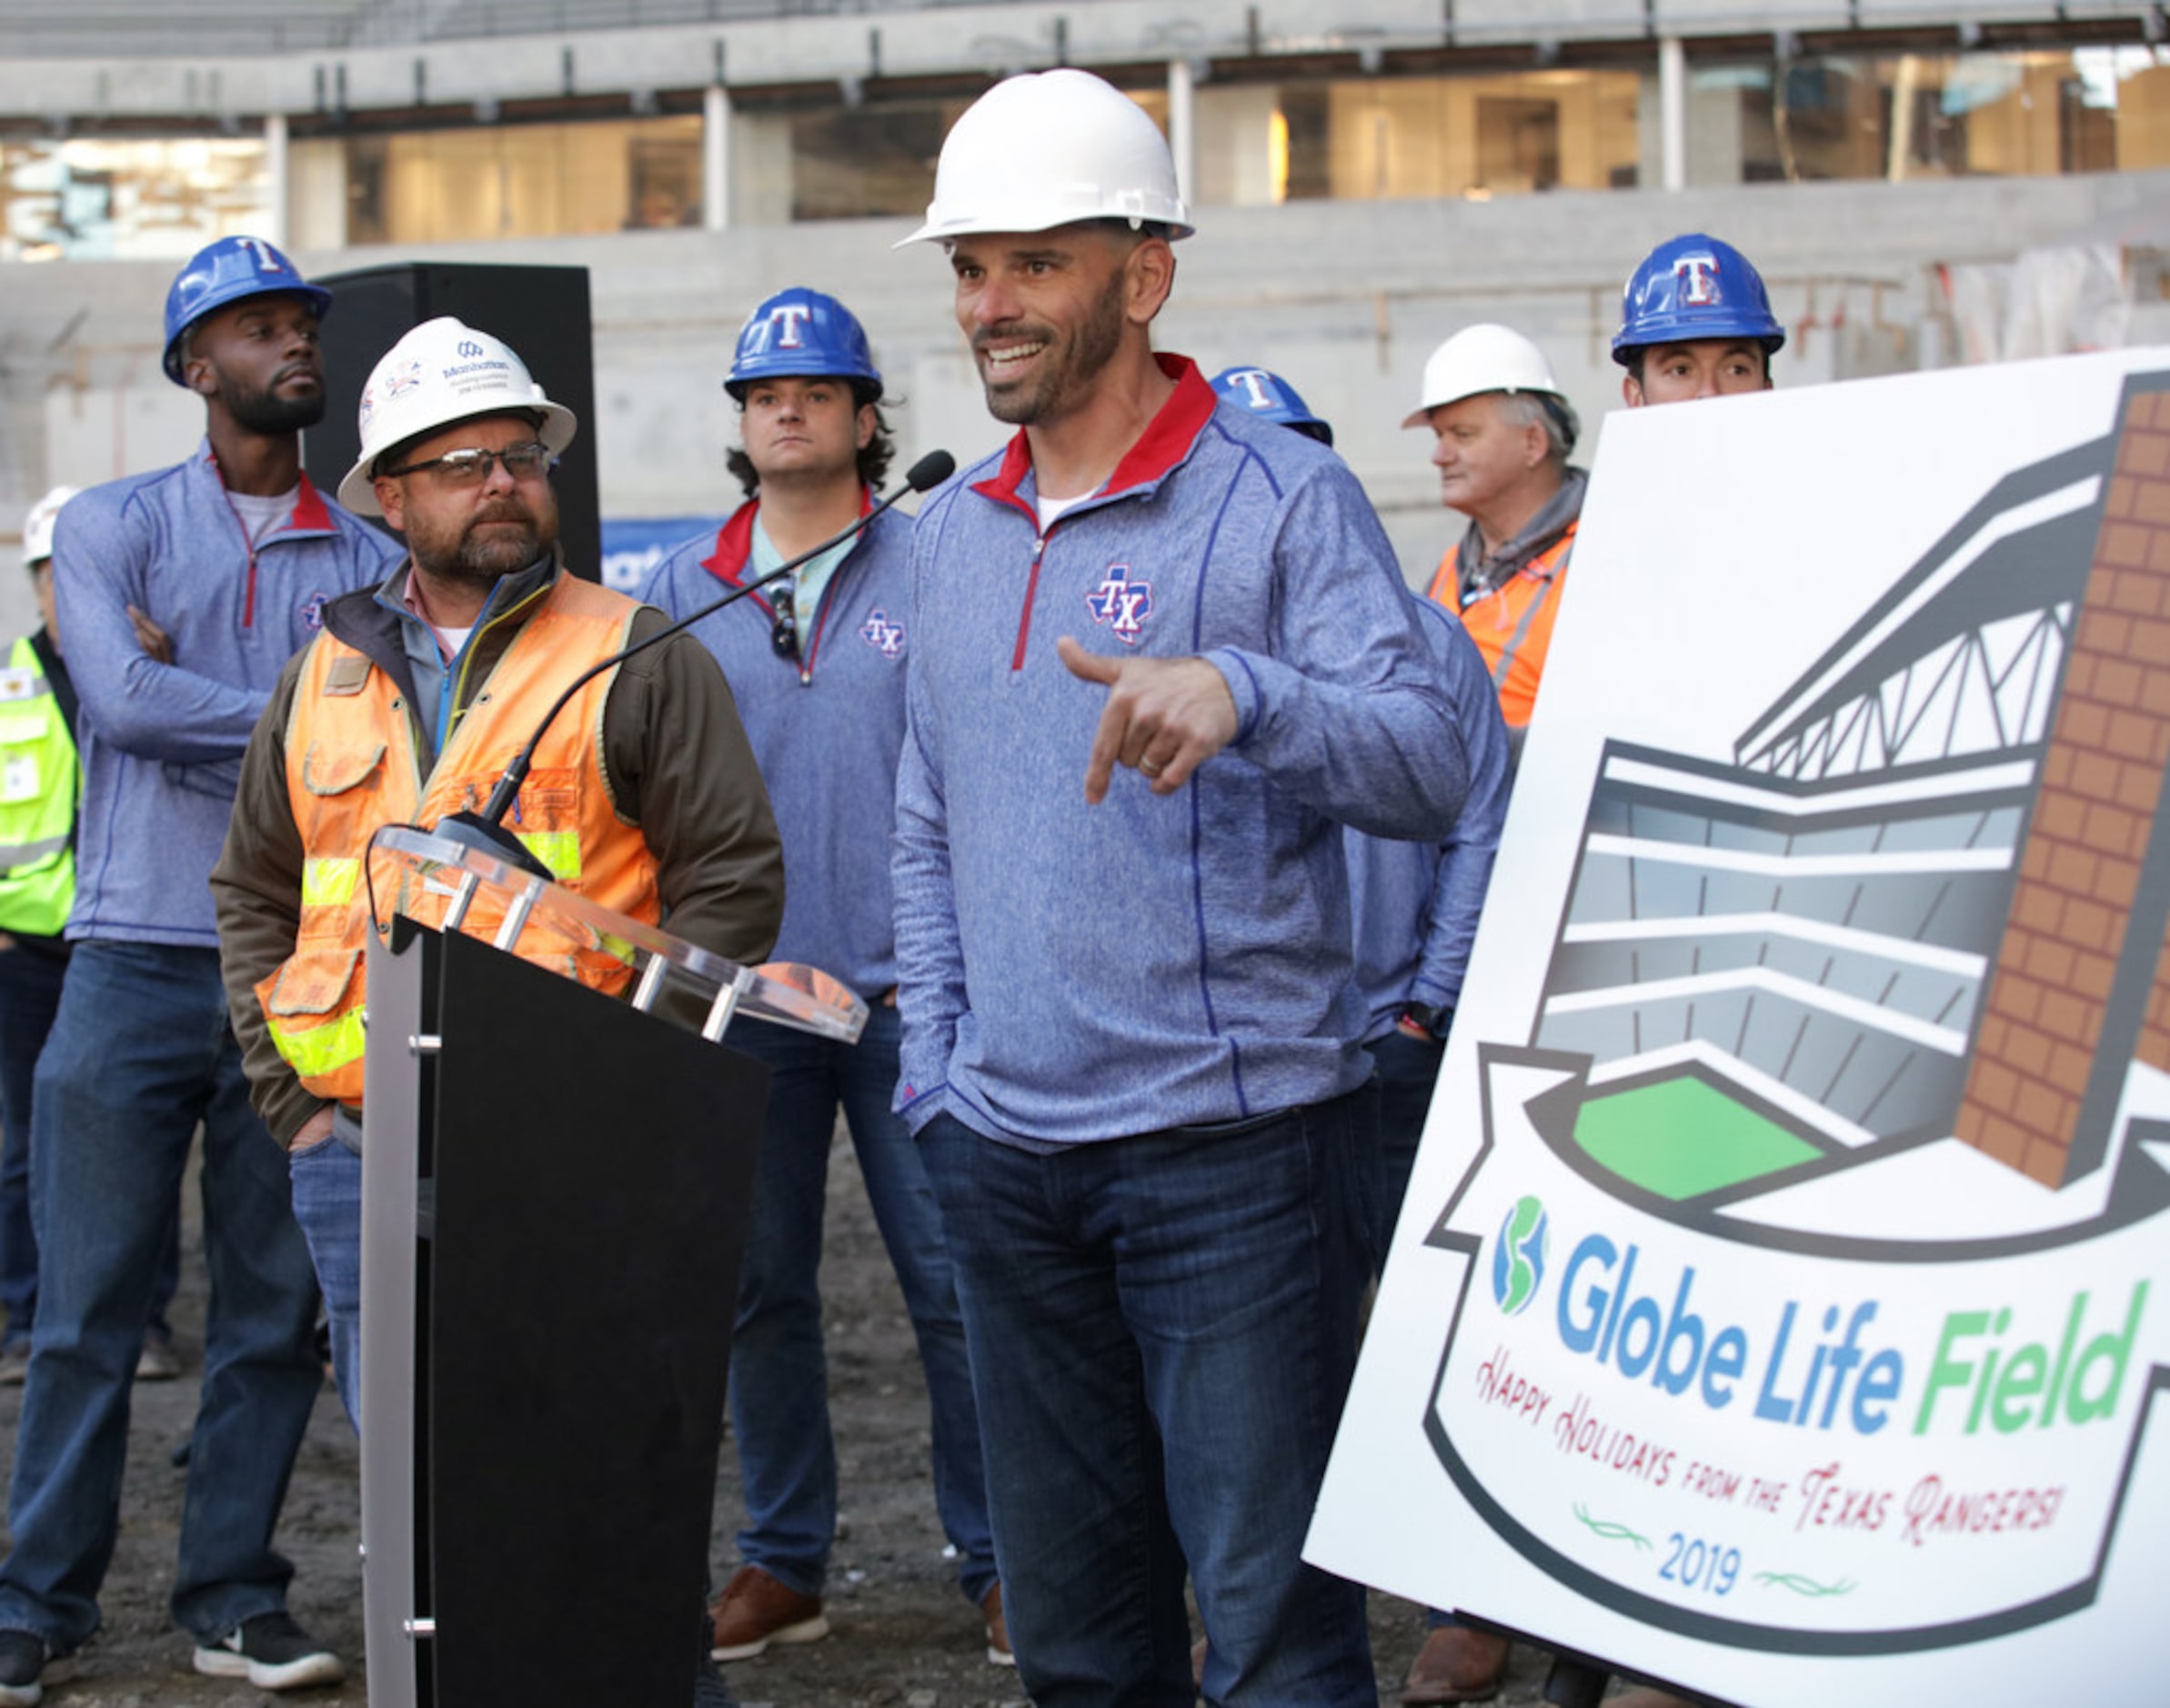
(460, 888)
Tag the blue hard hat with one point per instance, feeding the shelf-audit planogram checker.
(801, 331)
(226, 272)
(1271, 398)
(1694, 287)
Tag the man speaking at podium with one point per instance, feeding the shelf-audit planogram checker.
(410, 704)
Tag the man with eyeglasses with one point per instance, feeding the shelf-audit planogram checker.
(232, 554)
(819, 672)
(644, 794)
(409, 706)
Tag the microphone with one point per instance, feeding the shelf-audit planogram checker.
(485, 832)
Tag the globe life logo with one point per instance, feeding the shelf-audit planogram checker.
(1518, 1259)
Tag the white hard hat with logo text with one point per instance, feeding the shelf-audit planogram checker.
(1050, 148)
(441, 372)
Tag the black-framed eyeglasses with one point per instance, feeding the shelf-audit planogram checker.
(471, 467)
(784, 635)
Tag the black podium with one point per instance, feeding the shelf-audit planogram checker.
(554, 1191)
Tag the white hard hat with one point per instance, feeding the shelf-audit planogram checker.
(1489, 358)
(37, 527)
(444, 371)
(1047, 149)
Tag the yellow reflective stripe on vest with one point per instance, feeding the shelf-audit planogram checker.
(322, 1049)
(558, 849)
(330, 883)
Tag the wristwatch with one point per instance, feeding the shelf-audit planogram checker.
(1432, 1019)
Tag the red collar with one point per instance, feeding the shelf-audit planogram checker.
(1165, 443)
(308, 515)
(734, 540)
(308, 508)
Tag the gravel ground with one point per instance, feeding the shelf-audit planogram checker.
(903, 1634)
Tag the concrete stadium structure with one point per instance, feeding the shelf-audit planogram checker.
(1367, 183)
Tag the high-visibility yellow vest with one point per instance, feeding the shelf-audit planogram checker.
(352, 767)
(40, 784)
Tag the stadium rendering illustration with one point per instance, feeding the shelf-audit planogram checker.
(1927, 900)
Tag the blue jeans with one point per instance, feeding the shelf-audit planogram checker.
(1163, 1328)
(327, 1203)
(30, 982)
(140, 1053)
(779, 1373)
(1405, 1071)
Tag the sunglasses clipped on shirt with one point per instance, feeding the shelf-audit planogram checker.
(529, 460)
(783, 636)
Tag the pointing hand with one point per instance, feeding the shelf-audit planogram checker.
(1164, 717)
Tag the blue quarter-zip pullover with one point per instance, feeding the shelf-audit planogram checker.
(1416, 903)
(162, 743)
(826, 729)
(1071, 972)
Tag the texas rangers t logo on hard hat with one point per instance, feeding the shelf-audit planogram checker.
(784, 322)
(1257, 384)
(269, 259)
(1698, 275)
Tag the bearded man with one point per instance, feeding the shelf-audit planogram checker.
(1160, 653)
(233, 554)
(410, 704)
(645, 798)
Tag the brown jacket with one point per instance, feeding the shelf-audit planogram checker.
(680, 765)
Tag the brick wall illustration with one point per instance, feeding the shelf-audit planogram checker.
(2081, 983)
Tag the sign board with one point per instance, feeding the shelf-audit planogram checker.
(1783, 1293)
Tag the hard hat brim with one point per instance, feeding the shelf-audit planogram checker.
(1570, 421)
(357, 488)
(869, 382)
(943, 231)
(1649, 336)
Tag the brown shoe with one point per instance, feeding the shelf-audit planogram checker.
(1456, 1664)
(755, 1611)
(998, 1653)
(1645, 1697)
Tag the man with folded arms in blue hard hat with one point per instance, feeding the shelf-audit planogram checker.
(233, 554)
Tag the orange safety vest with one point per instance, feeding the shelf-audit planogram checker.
(352, 767)
(1512, 625)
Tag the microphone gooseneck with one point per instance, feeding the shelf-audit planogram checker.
(485, 832)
